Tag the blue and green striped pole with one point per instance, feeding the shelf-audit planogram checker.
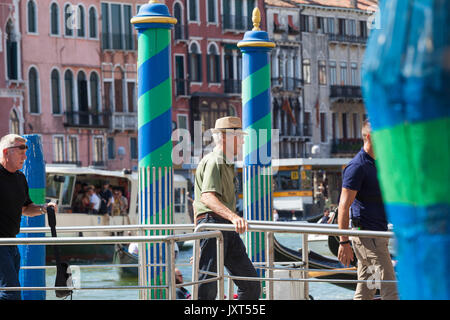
(406, 89)
(33, 255)
(257, 123)
(153, 24)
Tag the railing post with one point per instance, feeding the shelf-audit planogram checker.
(195, 268)
(34, 170)
(171, 281)
(220, 267)
(305, 258)
(270, 264)
(154, 23)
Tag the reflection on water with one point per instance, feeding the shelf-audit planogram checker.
(109, 277)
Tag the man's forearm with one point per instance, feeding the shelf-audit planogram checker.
(213, 203)
(32, 210)
(343, 219)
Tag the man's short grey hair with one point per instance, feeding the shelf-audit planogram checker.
(218, 138)
(9, 141)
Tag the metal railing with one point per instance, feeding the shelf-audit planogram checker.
(267, 227)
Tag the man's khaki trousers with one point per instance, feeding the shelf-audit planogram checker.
(374, 264)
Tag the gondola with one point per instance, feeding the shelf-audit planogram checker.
(122, 256)
(317, 261)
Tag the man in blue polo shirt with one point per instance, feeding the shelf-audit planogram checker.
(361, 192)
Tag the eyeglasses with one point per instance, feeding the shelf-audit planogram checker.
(21, 147)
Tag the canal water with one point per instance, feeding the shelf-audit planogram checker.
(109, 277)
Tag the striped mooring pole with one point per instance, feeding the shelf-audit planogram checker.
(406, 80)
(153, 24)
(33, 255)
(257, 123)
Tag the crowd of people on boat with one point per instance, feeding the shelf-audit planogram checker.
(92, 200)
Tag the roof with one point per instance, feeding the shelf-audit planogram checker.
(280, 3)
(360, 4)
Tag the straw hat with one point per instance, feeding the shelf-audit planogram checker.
(228, 123)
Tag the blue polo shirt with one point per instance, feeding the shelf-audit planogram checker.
(361, 175)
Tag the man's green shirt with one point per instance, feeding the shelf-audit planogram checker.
(215, 174)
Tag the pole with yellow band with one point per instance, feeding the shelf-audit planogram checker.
(153, 24)
(257, 122)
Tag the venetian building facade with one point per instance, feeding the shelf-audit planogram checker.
(12, 85)
(287, 83)
(334, 36)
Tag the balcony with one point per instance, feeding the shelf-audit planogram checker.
(232, 86)
(124, 121)
(119, 41)
(236, 23)
(344, 38)
(345, 92)
(287, 83)
(347, 146)
(87, 119)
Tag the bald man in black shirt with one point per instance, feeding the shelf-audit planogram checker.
(15, 202)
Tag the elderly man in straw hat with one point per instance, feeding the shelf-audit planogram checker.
(215, 202)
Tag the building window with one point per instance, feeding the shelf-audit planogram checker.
(107, 87)
(351, 28)
(322, 73)
(344, 126)
(213, 65)
(180, 81)
(32, 17)
(69, 88)
(342, 27)
(83, 103)
(323, 127)
(33, 85)
(334, 125)
(56, 89)
(354, 71)
(356, 128)
(320, 25)
(72, 150)
(68, 20)
(133, 148)
(330, 25)
(195, 58)
(93, 82)
(81, 22)
(111, 148)
(131, 94)
(54, 19)
(118, 90)
(117, 30)
(11, 52)
(92, 23)
(363, 29)
(14, 122)
(58, 143)
(193, 5)
(98, 151)
(344, 80)
(333, 75)
(212, 11)
(306, 71)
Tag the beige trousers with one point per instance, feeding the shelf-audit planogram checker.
(374, 264)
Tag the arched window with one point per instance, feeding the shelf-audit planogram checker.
(11, 52)
(83, 104)
(68, 86)
(33, 90)
(179, 27)
(81, 24)
(32, 17)
(195, 58)
(14, 122)
(56, 97)
(68, 20)
(92, 23)
(54, 19)
(94, 86)
(213, 66)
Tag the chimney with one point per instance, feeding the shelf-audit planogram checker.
(354, 3)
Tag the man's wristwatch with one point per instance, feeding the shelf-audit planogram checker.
(41, 208)
(344, 242)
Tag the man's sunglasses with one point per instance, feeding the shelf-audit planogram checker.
(21, 147)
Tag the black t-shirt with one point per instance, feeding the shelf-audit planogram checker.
(13, 196)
